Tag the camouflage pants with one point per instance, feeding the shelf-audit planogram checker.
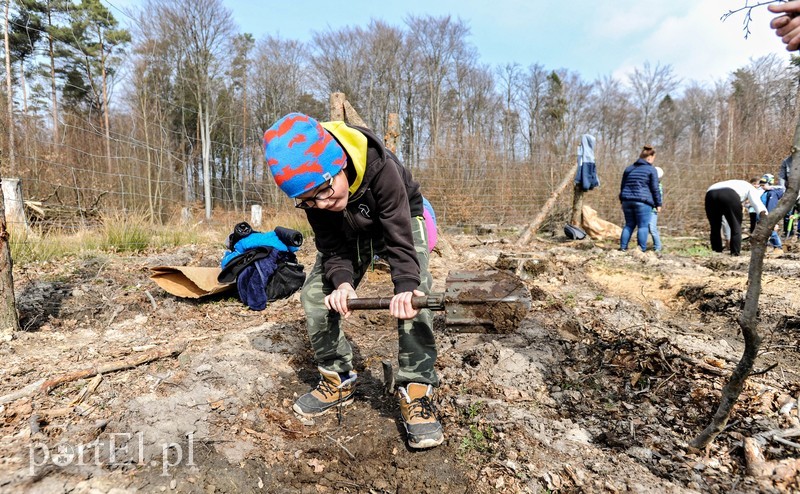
(417, 347)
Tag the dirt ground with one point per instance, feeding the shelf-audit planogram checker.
(616, 367)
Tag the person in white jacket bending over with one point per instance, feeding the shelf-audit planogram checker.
(725, 199)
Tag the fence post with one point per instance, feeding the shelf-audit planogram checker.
(14, 206)
(186, 216)
(337, 107)
(392, 132)
(342, 110)
(255, 215)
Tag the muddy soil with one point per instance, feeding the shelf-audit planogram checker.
(601, 385)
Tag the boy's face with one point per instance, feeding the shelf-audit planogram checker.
(332, 195)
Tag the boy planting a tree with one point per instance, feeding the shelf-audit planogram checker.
(360, 201)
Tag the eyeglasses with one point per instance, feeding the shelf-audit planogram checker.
(324, 193)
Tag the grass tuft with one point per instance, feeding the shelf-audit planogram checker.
(130, 233)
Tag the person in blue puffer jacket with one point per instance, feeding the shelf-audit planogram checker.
(639, 195)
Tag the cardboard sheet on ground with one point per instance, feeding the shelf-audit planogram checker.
(189, 281)
(598, 228)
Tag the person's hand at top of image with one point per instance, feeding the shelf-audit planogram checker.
(787, 26)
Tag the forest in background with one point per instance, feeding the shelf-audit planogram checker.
(132, 110)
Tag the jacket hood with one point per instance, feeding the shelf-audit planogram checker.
(354, 144)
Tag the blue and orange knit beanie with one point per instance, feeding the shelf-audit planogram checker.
(301, 154)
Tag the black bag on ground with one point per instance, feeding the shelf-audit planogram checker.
(291, 238)
(287, 279)
(574, 233)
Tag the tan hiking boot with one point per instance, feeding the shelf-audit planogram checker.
(330, 392)
(418, 415)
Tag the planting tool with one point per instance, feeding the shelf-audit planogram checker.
(473, 301)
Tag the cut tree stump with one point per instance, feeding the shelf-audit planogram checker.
(342, 110)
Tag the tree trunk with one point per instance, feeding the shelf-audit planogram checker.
(577, 206)
(105, 101)
(256, 215)
(53, 91)
(205, 144)
(24, 85)
(150, 194)
(351, 115)
(12, 160)
(9, 322)
(244, 142)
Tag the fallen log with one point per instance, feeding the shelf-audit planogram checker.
(21, 393)
(129, 363)
(531, 230)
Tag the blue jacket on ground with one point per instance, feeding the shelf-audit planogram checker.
(640, 183)
(256, 239)
(252, 281)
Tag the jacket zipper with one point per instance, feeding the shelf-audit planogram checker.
(350, 221)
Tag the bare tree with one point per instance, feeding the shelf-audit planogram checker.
(278, 78)
(154, 109)
(762, 100)
(477, 108)
(578, 118)
(203, 29)
(12, 165)
(670, 125)
(649, 86)
(534, 86)
(509, 79)
(340, 63)
(437, 42)
(611, 109)
(699, 110)
(388, 53)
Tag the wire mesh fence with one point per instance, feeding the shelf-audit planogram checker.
(67, 189)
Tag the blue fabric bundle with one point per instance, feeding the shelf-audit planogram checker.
(253, 279)
(256, 239)
(586, 175)
(254, 260)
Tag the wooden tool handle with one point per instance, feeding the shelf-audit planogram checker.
(434, 301)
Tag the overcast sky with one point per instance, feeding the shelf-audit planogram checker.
(593, 37)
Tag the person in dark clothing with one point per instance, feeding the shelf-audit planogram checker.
(786, 169)
(725, 199)
(639, 195)
(361, 202)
